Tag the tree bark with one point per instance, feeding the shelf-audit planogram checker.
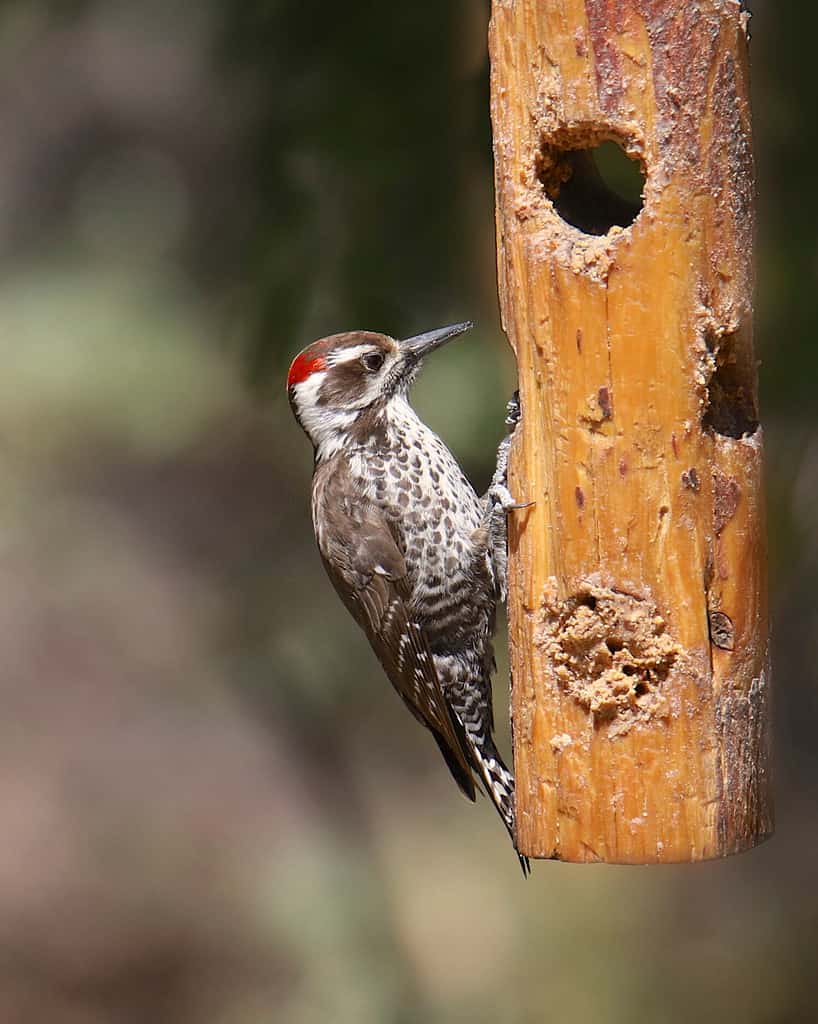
(637, 608)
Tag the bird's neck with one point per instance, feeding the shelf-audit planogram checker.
(371, 428)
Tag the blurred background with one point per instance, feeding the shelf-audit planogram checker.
(213, 808)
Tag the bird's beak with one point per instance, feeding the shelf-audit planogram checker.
(422, 344)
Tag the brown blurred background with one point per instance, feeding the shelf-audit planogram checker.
(212, 806)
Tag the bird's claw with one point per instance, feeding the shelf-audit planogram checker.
(502, 498)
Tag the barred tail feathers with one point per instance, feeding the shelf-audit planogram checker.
(498, 782)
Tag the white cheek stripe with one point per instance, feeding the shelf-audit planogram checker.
(306, 396)
(326, 428)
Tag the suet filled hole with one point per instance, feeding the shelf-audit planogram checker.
(592, 182)
(605, 649)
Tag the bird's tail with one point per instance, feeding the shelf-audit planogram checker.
(498, 782)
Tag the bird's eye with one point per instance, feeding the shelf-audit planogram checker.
(373, 361)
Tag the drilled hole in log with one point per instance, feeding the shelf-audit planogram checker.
(731, 405)
(592, 182)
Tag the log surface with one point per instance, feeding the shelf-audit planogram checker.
(637, 608)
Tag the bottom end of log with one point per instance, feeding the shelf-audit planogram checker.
(585, 853)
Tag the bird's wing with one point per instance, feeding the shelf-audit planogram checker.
(367, 568)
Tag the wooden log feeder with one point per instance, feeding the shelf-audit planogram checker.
(637, 607)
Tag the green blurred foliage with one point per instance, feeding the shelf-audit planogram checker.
(213, 807)
(357, 150)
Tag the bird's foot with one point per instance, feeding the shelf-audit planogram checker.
(502, 500)
(499, 501)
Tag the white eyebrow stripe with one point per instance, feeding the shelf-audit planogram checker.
(348, 355)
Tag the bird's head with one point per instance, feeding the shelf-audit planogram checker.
(336, 380)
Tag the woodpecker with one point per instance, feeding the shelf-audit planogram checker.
(417, 558)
